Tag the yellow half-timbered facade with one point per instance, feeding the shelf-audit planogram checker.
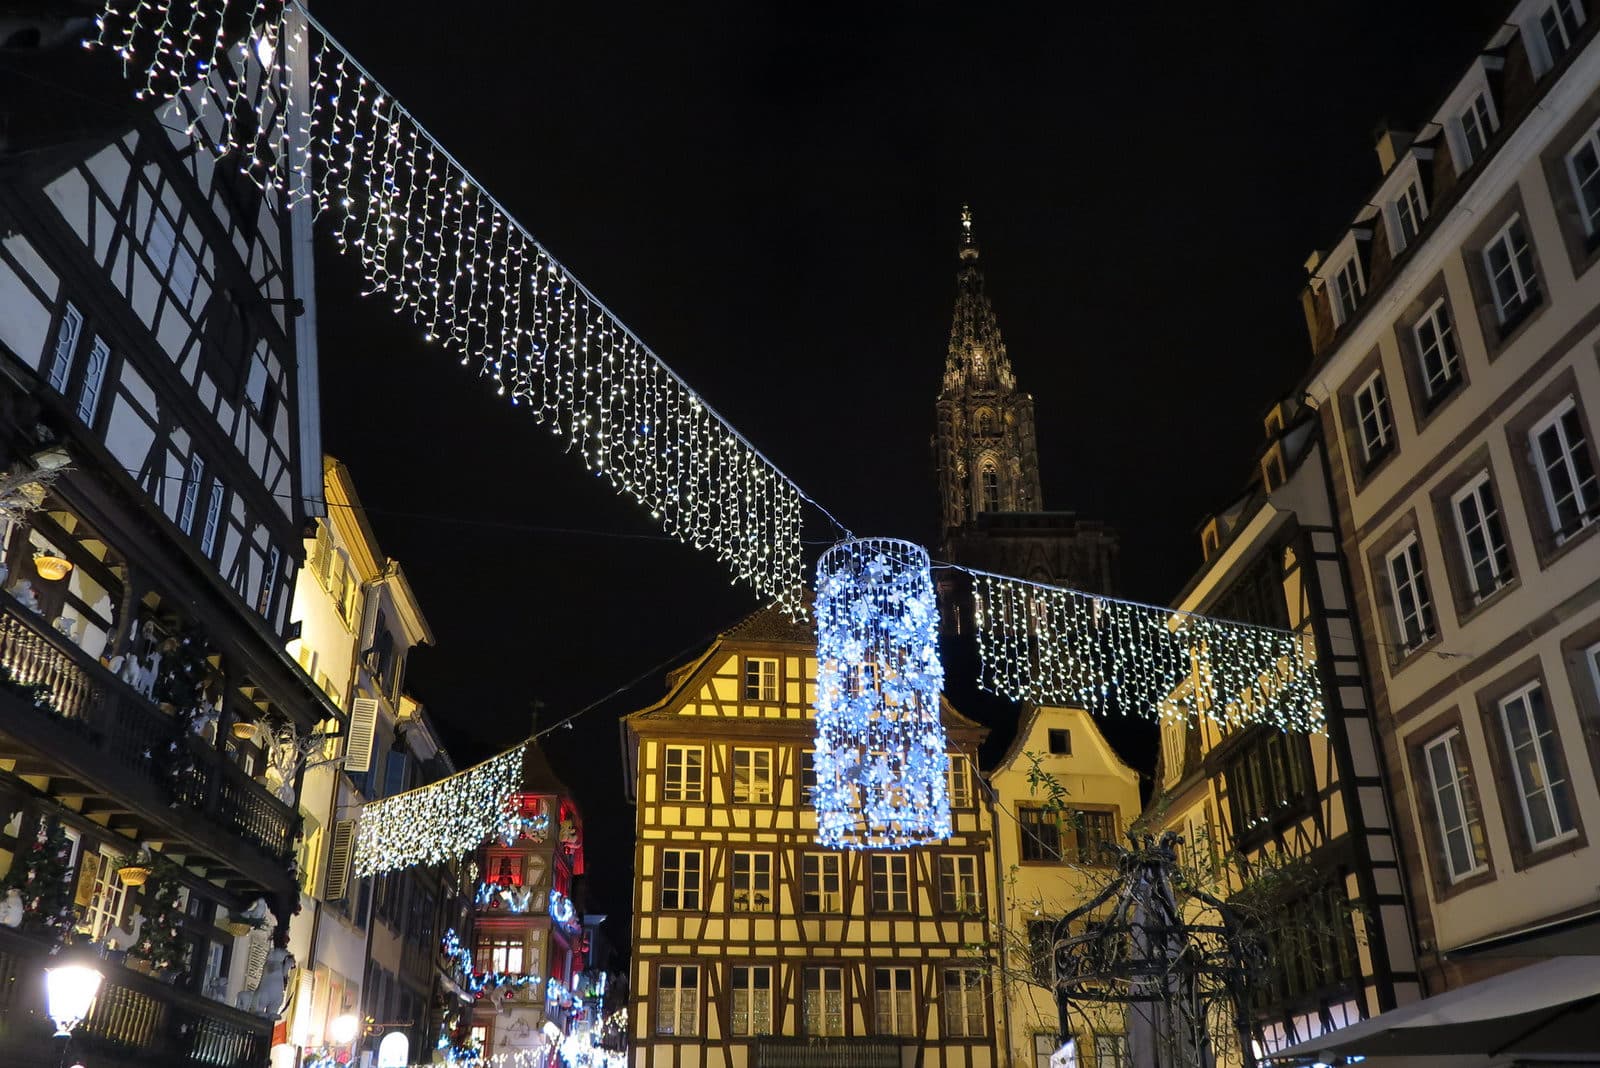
(754, 946)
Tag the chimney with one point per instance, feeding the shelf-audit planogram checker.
(1390, 144)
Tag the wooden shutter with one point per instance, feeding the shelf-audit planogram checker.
(339, 857)
(322, 554)
(363, 725)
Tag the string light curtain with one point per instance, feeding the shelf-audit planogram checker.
(265, 86)
(880, 753)
(442, 821)
(1058, 646)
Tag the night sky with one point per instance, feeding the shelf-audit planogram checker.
(770, 199)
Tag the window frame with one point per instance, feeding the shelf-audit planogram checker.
(1032, 822)
(1476, 489)
(757, 791)
(1587, 215)
(823, 979)
(1528, 293)
(1382, 412)
(958, 780)
(822, 895)
(1555, 420)
(895, 868)
(684, 892)
(960, 883)
(1347, 285)
(681, 792)
(1063, 733)
(749, 989)
(1470, 812)
(1543, 739)
(1410, 202)
(759, 665)
(679, 973)
(972, 1000)
(1409, 550)
(1437, 318)
(1486, 124)
(901, 1002)
(753, 877)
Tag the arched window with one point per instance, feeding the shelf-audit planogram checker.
(989, 485)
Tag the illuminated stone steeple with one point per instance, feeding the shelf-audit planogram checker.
(986, 450)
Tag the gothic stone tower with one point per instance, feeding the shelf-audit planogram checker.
(987, 457)
(988, 462)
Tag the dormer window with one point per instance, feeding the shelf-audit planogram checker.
(1409, 211)
(1583, 168)
(1477, 126)
(1558, 28)
(1349, 286)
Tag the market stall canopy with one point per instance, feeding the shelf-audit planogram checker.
(1547, 1010)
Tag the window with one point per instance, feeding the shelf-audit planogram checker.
(752, 776)
(760, 679)
(504, 954)
(1583, 169)
(958, 884)
(1408, 586)
(1535, 752)
(161, 242)
(1374, 420)
(821, 885)
(105, 902)
(208, 534)
(752, 999)
(94, 377)
(1409, 211)
(1041, 833)
(989, 486)
(808, 777)
(1558, 25)
(963, 1003)
(1041, 946)
(1348, 288)
(678, 999)
(1566, 470)
(752, 882)
(1456, 805)
(1269, 777)
(67, 332)
(958, 781)
(1508, 261)
(680, 879)
(191, 494)
(1483, 537)
(1060, 741)
(1087, 831)
(1477, 126)
(860, 679)
(1437, 351)
(1111, 1051)
(891, 988)
(684, 780)
(269, 581)
(823, 1009)
(891, 882)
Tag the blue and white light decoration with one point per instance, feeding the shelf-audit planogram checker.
(880, 758)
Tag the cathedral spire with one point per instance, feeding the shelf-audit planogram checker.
(988, 456)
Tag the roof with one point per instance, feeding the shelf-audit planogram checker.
(1025, 728)
(537, 774)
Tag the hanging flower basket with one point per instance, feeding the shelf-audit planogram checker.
(137, 964)
(243, 729)
(240, 928)
(50, 566)
(133, 874)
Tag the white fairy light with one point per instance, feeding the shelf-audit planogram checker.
(442, 821)
(1059, 646)
(432, 239)
(880, 756)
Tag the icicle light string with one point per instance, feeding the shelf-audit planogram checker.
(445, 251)
(1058, 646)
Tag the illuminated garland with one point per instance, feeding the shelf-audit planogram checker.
(880, 757)
(439, 822)
(474, 981)
(308, 124)
(1052, 645)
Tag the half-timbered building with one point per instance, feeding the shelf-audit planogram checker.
(754, 946)
(157, 351)
(1253, 799)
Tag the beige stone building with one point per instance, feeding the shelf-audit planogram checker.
(1049, 862)
(1455, 325)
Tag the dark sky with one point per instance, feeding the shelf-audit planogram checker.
(769, 198)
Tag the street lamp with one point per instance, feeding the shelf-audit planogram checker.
(69, 991)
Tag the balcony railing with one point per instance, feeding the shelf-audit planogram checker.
(773, 1051)
(134, 1018)
(127, 730)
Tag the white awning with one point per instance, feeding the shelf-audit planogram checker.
(1545, 1010)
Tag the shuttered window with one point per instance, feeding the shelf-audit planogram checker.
(339, 857)
(363, 724)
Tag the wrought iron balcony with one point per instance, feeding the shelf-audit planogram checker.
(134, 1019)
(773, 1051)
(68, 718)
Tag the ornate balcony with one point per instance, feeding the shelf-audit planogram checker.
(135, 1020)
(773, 1051)
(96, 738)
